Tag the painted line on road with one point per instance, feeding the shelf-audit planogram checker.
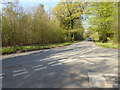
(19, 70)
(82, 56)
(66, 60)
(43, 60)
(52, 62)
(56, 64)
(97, 80)
(20, 73)
(54, 57)
(40, 68)
(2, 74)
(37, 66)
(1, 77)
(69, 61)
(111, 75)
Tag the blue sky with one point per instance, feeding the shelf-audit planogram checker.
(47, 5)
(26, 4)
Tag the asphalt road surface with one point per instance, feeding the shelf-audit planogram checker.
(80, 65)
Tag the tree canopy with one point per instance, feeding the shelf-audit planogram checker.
(63, 23)
(104, 19)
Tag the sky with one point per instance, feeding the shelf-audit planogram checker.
(50, 3)
(47, 5)
(26, 4)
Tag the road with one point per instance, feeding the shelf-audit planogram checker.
(80, 65)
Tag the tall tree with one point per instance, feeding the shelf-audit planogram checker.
(103, 16)
(67, 12)
(33, 27)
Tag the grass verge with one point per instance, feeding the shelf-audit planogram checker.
(108, 45)
(18, 49)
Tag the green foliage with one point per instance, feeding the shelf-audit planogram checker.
(103, 15)
(67, 12)
(69, 15)
(15, 49)
(108, 45)
(24, 28)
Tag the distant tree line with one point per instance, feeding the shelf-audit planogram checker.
(36, 26)
(25, 28)
(63, 23)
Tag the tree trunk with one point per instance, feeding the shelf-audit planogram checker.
(72, 23)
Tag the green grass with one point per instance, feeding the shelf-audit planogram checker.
(108, 45)
(17, 49)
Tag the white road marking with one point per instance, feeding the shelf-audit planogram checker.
(37, 66)
(2, 74)
(20, 73)
(19, 70)
(40, 68)
(111, 75)
(56, 64)
(51, 62)
(82, 56)
(45, 59)
(66, 61)
(42, 60)
(97, 81)
(58, 56)
(55, 56)
(1, 77)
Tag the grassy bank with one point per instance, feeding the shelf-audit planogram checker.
(108, 45)
(18, 49)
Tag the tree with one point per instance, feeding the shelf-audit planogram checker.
(69, 15)
(67, 12)
(103, 16)
(10, 23)
(24, 28)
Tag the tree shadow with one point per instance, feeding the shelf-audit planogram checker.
(74, 75)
